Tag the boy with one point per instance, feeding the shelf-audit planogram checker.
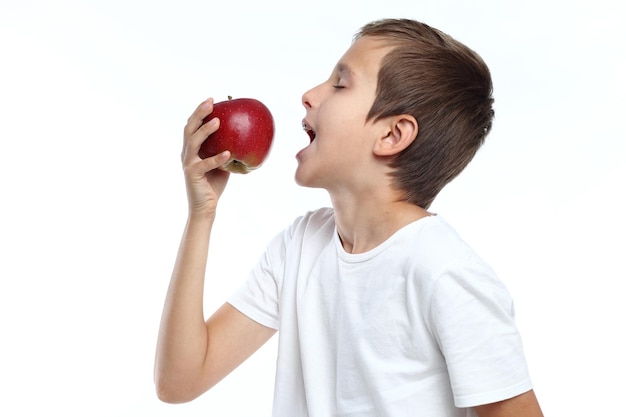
(381, 308)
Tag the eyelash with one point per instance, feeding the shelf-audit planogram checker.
(338, 86)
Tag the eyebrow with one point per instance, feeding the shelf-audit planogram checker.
(343, 68)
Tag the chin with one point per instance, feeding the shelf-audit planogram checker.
(306, 179)
(300, 180)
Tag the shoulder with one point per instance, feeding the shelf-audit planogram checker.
(313, 222)
(442, 262)
(459, 278)
(315, 225)
(319, 216)
(437, 246)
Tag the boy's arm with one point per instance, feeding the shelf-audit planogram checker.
(193, 355)
(525, 405)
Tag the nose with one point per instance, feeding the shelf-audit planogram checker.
(310, 98)
(306, 99)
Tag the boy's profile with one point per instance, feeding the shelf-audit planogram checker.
(381, 309)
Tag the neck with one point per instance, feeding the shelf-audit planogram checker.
(364, 223)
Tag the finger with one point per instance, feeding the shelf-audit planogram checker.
(195, 141)
(209, 164)
(197, 117)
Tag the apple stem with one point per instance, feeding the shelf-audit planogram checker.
(230, 97)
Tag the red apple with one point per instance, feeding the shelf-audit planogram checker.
(246, 130)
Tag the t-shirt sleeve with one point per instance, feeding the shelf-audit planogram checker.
(473, 319)
(257, 298)
(261, 295)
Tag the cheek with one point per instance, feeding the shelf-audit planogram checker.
(341, 112)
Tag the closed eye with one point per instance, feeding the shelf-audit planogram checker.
(338, 86)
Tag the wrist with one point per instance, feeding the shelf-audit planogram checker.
(201, 217)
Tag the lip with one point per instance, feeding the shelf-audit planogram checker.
(308, 129)
(306, 126)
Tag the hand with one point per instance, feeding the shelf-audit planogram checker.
(205, 184)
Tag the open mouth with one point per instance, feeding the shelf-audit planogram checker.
(309, 130)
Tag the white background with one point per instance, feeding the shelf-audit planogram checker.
(93, 99)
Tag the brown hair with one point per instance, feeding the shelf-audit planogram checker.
(447, 88)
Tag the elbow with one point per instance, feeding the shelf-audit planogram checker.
(172, 392)
(168, 396)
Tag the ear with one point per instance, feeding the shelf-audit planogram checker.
(398, 133)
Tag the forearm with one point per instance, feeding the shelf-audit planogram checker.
(182, 343)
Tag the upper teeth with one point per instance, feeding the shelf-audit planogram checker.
(309, 130)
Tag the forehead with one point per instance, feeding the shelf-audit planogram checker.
(364, 57)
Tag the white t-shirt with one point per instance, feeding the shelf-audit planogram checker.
(419, 326)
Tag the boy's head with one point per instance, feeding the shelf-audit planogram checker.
(447, 88)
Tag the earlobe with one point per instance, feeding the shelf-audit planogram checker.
(400, 132)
